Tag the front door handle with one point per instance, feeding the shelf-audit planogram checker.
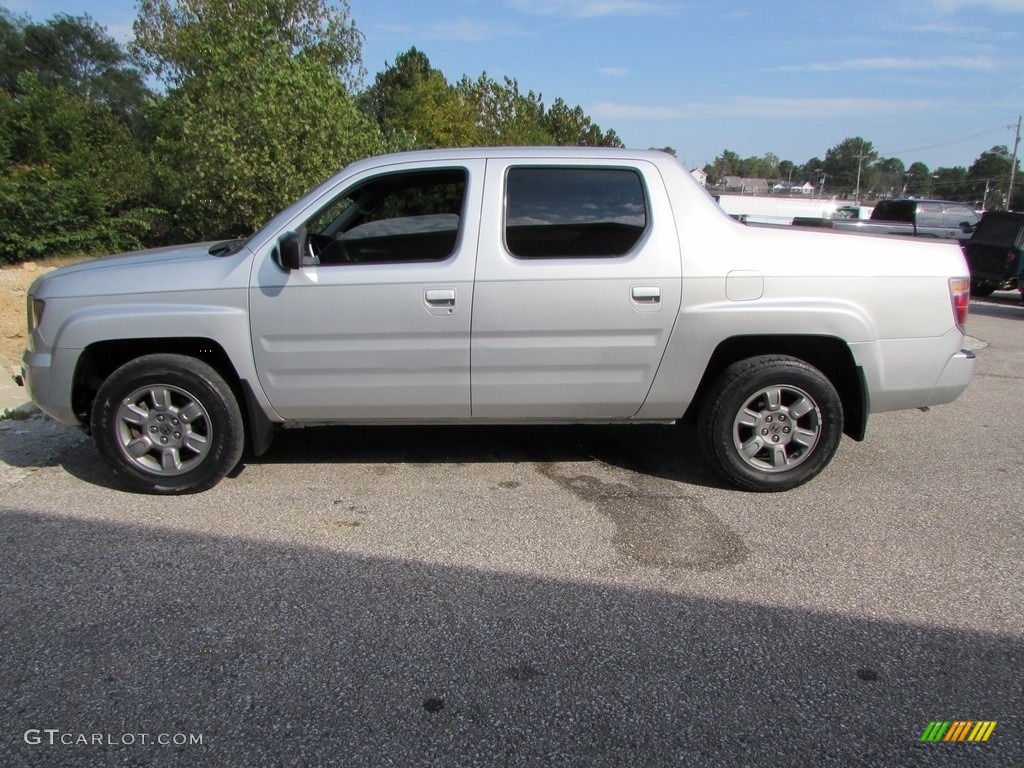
(441, 297)
(646, 294)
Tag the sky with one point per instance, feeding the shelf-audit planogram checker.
(932, 81)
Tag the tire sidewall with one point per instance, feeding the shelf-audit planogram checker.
(736, 386)
(205, 385)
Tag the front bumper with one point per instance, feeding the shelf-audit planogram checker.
(48, 382)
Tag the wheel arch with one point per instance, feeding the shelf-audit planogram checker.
(97, 361)
(830, 355)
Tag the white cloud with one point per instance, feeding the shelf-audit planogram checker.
(890, 64)
(606, 110)
(1010, 6)
(767, 107)
(588, 9)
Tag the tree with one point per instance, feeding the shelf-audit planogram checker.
(505, 117)
(256, 113)
(181, 39)
(416, 108)
(890, 176)
(72, 180)
(919, 180)
(847, 162)
(571, 127)
(728, 163)
(786, 169)
(950, 183)
(988, 178)
(76, 54)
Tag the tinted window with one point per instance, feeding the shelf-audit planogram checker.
(394, 218)
(894, 210)
(573, 212)
(929, 215)
(957, 214)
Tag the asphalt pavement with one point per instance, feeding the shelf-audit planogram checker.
(524, 596)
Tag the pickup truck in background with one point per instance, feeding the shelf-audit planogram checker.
(995, 254)
(500, 286)
(917, 218)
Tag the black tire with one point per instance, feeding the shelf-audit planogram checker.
(981, 290)
(771, 423)
(168, 424)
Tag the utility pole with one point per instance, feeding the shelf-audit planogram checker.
(1013, 167)
(856, 195)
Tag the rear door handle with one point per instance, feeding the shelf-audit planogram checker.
(440, 301)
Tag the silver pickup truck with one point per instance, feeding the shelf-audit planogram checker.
(513, 286)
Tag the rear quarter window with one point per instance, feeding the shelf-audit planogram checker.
(574, 212)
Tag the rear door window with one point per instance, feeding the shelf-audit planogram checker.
(930, 215)
(574, 212)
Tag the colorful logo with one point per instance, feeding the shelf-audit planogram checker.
(958, 730)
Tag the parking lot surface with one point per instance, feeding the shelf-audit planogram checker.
(525, 596)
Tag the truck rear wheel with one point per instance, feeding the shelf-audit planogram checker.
(771, 423)
(167, 424)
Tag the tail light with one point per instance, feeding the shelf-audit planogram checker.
(960, 297)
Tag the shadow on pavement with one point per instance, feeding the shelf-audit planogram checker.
(294, 655)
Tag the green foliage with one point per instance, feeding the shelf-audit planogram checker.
(847, 163)
(731, 164)
(178, 40)
(253, 139)
(988, 178)
(950, 183)
(76, 54)
(888, 178)
(919, 180)
(416, 108)
(257, 111)
(72, 179)
(504, 116)
(571, 127)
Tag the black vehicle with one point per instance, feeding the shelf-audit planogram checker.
(995, 254)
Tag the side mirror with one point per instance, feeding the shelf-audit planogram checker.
(289, 254)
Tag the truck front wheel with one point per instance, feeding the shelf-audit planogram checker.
(771, 423)
(167, 424)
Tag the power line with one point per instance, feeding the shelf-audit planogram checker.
(991, 131)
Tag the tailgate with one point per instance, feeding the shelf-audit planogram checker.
(996, 262)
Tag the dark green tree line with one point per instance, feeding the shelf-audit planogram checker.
(73, 176)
